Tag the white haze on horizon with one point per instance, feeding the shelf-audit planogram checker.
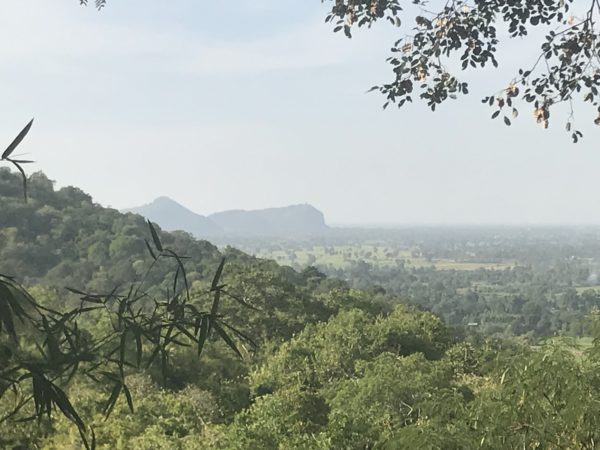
(248, 105)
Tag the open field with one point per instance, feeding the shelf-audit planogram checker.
(582, 289)
(341, 256)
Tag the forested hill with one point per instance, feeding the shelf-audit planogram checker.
(289, 221)
(335, 367)
(61, 238)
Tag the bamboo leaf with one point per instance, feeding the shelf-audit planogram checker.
(138, 347)
(6, 319)
(203, 333)
(23, 176)
(61, 400)
(180, 269)
(241, 301)
(13, 145)
(215, 306)
(112, 400)
(241, 335)
(122, 347)
(155, 237)
(150, 249)
(226, 338)
(128, 397)
(175, 278)
(215, 283)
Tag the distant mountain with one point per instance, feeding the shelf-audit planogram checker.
(294, 220)
(172, 216)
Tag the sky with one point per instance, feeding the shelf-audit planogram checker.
(256, 103)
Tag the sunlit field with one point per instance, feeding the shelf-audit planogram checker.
(377, 255)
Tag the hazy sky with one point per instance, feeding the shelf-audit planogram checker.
(256, 103)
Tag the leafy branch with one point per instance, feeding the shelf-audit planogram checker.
(6, 155)
(465, 32)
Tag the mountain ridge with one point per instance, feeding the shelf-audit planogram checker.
(172, 215)
(291, 220)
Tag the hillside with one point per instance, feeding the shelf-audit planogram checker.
(62, 238)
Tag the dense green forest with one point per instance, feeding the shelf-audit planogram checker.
(335, 367)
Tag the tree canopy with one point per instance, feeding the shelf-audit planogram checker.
(467, 34)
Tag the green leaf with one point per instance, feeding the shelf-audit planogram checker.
(155, 237)
(241, 301)
(6, 315)
(175, 278)
(66, 407)
(150, 249)
(153, 355)
(138, 346)
(112, 400)
(180, 270)
(23, 176)
(122, 347)
(39, 394)
(128, 397)
(226, 338)
(13, 145)
(241, 335)
(215, 306)
(203, 333)
(215, 282)
(86, 444)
